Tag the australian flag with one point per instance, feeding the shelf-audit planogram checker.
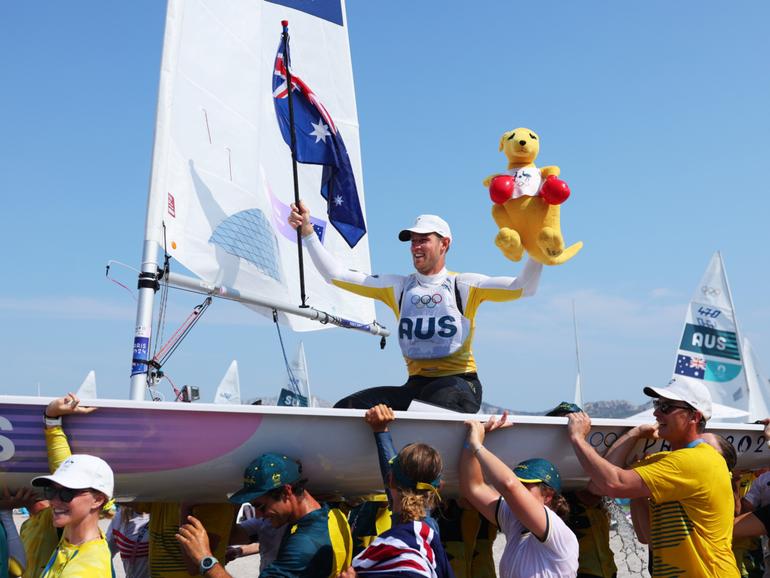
(319, 142)
(408, 550)
(690, 366)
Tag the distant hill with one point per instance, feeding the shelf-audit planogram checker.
(616, 408)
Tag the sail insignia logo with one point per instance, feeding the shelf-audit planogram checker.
(710, 341)
(171, 205)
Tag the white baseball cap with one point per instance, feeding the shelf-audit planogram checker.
(687, 390)
(79, 472)
(427, 224)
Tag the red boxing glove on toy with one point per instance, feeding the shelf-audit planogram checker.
(554, 190)
(501, 189)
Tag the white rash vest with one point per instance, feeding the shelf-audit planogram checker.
(434, 329)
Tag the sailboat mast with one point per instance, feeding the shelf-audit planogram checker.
(158, 199)
(737, 334)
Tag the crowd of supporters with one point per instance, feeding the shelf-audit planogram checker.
(696, 517)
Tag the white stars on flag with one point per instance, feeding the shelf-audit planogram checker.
(320, 131)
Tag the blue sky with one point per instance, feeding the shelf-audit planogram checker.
(656, 113)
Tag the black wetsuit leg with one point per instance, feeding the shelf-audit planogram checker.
(460, 393)
(395, 397)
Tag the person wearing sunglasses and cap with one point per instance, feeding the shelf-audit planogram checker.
(78, 491)
(525, 503)
(689, 488)
(435, 309)
(317, 543)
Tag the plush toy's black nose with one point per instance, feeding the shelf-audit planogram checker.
(522, 142)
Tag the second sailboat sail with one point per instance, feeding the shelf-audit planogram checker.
(222, 174)
(709, 350)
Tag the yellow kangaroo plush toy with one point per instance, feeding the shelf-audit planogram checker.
(528, 201)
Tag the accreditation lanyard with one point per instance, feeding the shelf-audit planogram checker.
(52, 561)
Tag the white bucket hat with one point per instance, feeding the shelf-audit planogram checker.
(687, 390)
(79, 472)
(427, 224)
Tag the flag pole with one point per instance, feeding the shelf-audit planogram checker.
(285, 37)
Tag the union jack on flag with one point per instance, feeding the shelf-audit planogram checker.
(690, 366)
(318, 142)
(281, 91)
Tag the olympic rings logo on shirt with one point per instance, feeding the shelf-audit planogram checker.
(428, 301)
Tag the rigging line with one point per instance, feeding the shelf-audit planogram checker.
(118, 283)
(177, 391)
(293, 381)
(168, 349)
(163, 305)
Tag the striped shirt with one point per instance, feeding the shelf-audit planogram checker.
(410, 550)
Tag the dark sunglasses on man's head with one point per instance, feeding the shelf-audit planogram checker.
(65, 495)
(665, 406)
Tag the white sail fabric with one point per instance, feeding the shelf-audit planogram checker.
(222, 175)
(709, 351)
(229, 389)
(87, 389)
(299, 373)
(758, 384)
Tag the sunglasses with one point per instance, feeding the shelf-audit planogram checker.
(65, 495)
(666, 407)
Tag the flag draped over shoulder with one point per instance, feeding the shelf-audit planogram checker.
(410, 550)
(319, 142)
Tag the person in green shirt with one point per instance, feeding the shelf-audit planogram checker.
(317, 543)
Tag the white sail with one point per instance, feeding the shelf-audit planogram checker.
(578, 383)
(299, 373)
(222, 175)
(757, 383)
(710, 350)
(229, 389)
(87, 389)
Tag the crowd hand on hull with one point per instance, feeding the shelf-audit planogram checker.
(378, 417)
(67, 405)
(22, 498)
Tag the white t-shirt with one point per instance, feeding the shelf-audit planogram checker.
(527, 557)
(269, 538)
(759, 492)
(131, 537)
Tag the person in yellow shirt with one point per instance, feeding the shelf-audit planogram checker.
(79, 490)
(689, 488)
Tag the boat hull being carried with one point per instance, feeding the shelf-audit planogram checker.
(175, 452)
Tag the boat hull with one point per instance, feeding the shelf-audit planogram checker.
(178, 451)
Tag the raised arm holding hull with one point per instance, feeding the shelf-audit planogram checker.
(435, 309)
(688, 487)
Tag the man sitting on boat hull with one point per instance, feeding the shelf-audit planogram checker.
(435, 309)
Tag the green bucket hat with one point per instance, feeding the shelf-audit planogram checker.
(538, 470)
(267, 472)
